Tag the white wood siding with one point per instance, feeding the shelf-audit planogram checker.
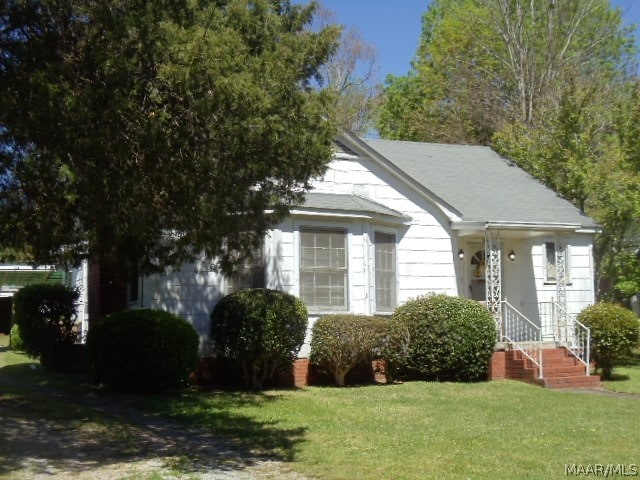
(190, 292)
(424, 246)
(426, 255)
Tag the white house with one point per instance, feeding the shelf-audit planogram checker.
(393, 220)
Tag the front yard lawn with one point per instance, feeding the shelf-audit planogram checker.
(626, 379)
(423, 430)
(415, 430)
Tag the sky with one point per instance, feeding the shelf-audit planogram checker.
(393, 26)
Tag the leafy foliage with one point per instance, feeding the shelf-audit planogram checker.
(45, 315)
(340, 342)
(395, 348)
(142, 351)
(450, 338)
(156, 130)
(483, 64)
(260, 330)
(616, 203)
(549, 86)
(15, 339)
(615, 333)
(350, 73)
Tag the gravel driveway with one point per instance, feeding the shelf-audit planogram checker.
(122, 444)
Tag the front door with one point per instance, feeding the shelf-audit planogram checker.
(476, 272)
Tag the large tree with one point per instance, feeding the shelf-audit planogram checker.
(482, 64)
(152, 131)
(351, 73)
(548, 84)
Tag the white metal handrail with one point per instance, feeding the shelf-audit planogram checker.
(572, 334)
(524, 335)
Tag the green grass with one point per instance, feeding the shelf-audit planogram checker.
(626, 379)
(415, 430)
(422, 430)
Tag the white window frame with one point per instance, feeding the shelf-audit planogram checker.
(302, 270)
(250, 274)
(394, 272)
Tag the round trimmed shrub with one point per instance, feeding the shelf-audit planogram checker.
(142, 351)
(615, 332)
(46, 314)
(340, 342)
(259, 331)
(449, 338)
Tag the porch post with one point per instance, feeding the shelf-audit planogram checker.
(493, 275)
(561, 289)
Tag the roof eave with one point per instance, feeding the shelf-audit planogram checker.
(536, 226)
(349, 215)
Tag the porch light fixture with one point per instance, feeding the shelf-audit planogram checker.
(461, 254)
(512, 255)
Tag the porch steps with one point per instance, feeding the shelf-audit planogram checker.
(560, 369)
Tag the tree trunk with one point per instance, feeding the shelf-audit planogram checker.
(339, 377)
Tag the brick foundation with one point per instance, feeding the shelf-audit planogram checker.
(209, 372)
(498, 366)
(561, 371)
(301, 373)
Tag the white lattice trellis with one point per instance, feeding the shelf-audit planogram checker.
(561, 290)
(493, 273)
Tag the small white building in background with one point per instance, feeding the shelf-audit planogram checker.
(15, 276)
(393, 220)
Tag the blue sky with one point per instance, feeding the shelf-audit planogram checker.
(393, 26)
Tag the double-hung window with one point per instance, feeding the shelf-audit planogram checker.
(385, 271)
(323, 269)
(249, 274)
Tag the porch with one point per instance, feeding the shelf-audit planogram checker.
(531, 278)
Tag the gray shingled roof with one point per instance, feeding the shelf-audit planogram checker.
(346, 203)
(480, 184)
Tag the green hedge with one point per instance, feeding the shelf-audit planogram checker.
(259, 331)
(340, 342)
(448, 338)
(615, 332)
(142, 351)
(45, 315)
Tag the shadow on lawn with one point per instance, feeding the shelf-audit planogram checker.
(51, 432)
(618, 377)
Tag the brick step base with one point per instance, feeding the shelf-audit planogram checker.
(560, 368)
(583, 381)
